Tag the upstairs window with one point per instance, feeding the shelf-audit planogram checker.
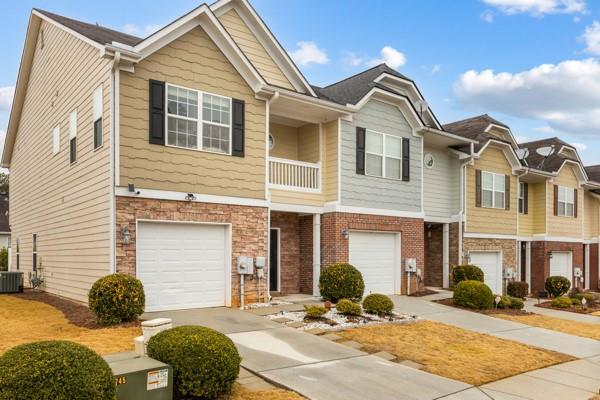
(492, 190)
(190, 126)
(97, 106)
(383, 155)
(566, 201)
(521, 197)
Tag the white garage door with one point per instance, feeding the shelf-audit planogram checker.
(377, 256)
(561, 264)
(490, 264)
(182, 265)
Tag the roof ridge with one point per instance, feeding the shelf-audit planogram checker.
(353, 76)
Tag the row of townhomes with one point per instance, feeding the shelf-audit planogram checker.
(200, 160)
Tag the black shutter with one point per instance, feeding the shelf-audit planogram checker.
(575, 203)
(507, 192)
(405, 159)
(477, 188)
(237, 135)
(525, 198)
(555, 200)
(157, 112)
(361, 142)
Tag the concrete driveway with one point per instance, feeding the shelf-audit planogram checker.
(313, 366)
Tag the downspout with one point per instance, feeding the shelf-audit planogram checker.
(114, 121)
(461, 213)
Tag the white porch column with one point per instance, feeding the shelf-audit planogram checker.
(446, 256)
(528, 264)
(316, 253)
(586, 268)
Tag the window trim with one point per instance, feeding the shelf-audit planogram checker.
(383, 155)
(73, 137)
(565, 202)
(494, 191)
(18, 255)
(98, 115)
(521, 198)
(199, 121)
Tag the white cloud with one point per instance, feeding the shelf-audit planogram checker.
(436, 68)
(133, 29)
(538, 7)
(488, 16)
(309, 53)
(352, 60)
(580, 146)
(389, 55)
(545, 129)
(591, 37)
(6, 97)
(521, 139)
(566, 96)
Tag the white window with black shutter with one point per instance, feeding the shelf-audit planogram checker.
(382, 155)
(493, 190)
(97, 100)
(523, 198)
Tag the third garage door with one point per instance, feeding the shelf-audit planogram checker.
(377, 256)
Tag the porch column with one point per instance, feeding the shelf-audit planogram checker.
(586, 268)
(446, 256)
(316, 253)
(528, 264)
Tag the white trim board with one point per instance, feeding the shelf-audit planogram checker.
(334, 207)
(180, 196)
(489, 236)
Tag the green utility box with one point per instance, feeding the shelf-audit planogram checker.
(141, 377)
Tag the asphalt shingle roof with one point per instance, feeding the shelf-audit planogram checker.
(593, 172)
(553, 162)
(474, 128)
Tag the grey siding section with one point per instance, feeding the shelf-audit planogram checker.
(441, 184)
(373, 192)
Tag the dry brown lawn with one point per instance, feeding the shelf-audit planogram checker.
(453, 352)
(24, 321)
(556, 324)
(240, 393)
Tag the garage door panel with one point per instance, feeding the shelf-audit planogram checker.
(489, 262)
(376, 256)
(561, 264)
(182, 265)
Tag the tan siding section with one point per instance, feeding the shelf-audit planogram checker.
(297, 198)
(192, 61)
(491, 220)
(67, 206)
(330, 160)
(565, 226)
(592, 216)
(534, 222)
(255, 52)
(286, 141)
(308, 143)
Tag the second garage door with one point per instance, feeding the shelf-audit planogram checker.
(490, 264)
(182, 265)
(377, 256)
(561, 264)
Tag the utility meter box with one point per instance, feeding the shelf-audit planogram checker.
(509, 273)
(410, 264)
(577, 272)
(245, 265)
(140, 377)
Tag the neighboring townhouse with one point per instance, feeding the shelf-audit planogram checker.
(591, 254)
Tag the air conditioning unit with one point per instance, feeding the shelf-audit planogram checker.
(11, 282)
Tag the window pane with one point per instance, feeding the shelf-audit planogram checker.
(569, 209)
(392, 168)
(374, 142)
(182, 132)
(393, 146)
(487, 181)
(486, 198)
(215, 109)
(499, 182)
(562, 196)
(570, 195)
(215, 138)
(561, 208)
(499, 199)
(374, 165)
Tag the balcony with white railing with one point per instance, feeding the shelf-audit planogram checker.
(294, 175)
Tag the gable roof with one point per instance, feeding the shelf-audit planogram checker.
(475, 128)
(97, 33)
(593, 172)
(552, 163)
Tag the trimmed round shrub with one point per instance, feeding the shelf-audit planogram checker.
(504, 302)
(516, 303)
(473, 294)
(466, 273)
(562, 302)
(557, 285)
(576, 301)
(117, 298)
(517, 289)
(378, 304)
(341, 281)
(348, 307)
(315, 311)
(58, 370)
(590, 298)
(205, 362)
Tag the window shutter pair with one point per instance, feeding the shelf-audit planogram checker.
(478, 190)
(361, 144)
(158, 115)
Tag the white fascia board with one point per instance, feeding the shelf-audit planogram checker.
(399, 101)
(266, 38)
(345, 111)
(474, 235)
(582, 175)
(334, 207)
(295, 208)
(512, 137)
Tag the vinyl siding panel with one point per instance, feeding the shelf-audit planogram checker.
(67, 206)
(374, 192)
(252, 48)
(491, 220)
(330, 160)
(534, 222)
(286, 141)
(308, 143)
(297, 198)
(592, 216)
(565, 226)
(192, 61)
(441, 184)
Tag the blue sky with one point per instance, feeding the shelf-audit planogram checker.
(533, 64)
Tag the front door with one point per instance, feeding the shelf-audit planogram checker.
(274, 261)
(523, 261)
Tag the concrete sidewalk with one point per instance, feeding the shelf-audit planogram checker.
(544, 338)
(313, 366)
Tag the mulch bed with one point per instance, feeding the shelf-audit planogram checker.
(424, 292)
(491, 311)
(573, 309)
(77, 314)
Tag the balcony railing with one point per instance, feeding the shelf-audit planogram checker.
(294, 175)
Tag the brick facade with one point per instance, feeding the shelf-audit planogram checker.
(508, 247)
(248, 225)
(335, 248)
(433, 242)
(306, 254)
(594, 273)
(540, 260)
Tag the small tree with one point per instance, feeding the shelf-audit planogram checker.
(3, 182)
(4, 259)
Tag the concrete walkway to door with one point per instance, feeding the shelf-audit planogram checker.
(313, 366)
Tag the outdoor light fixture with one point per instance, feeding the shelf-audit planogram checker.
(125, 235)
(345, 233)
(550, 255)
(131, 188)
(190, 197)
(468, 257)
